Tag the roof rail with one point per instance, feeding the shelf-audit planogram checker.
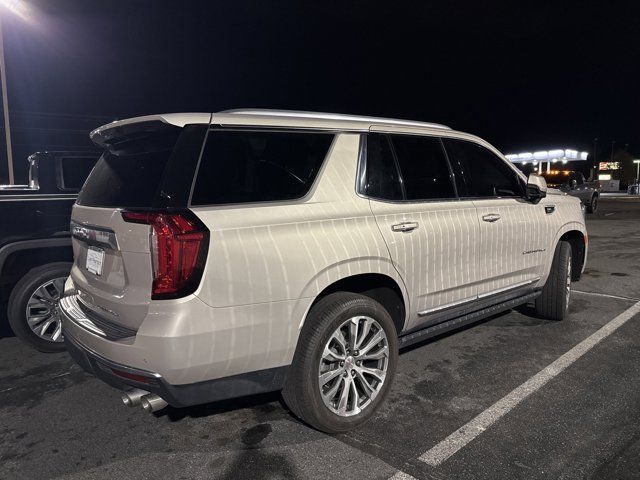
(333, 116)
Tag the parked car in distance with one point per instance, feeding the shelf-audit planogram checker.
(574, 184)
(227, 254)
(35, 244)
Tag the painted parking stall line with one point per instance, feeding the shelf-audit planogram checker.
(400, 475)
(607, 295)
(465, 434)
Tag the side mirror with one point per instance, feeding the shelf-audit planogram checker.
(536, 188)
(574, 184)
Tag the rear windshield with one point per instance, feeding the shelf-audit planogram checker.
(255, 166)
(130, 172)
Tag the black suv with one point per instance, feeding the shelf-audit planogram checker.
(35, 244)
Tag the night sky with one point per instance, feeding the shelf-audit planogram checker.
(523, 76)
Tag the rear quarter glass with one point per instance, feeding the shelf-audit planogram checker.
(258, 166)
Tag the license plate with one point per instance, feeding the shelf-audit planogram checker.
(95, 259)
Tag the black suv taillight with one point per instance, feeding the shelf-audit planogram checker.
(179, 243)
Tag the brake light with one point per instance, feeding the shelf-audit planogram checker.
(179, 243)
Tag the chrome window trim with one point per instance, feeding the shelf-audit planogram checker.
(362, 166)
(480, 296)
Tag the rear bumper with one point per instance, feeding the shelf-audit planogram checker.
(250, 383)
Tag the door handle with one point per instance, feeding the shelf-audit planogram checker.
(404, 226)
(491, 217)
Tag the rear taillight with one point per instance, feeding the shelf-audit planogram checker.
(179, 243)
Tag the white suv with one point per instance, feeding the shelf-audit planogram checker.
(227, 254)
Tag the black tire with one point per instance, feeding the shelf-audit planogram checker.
(593, 206)
(19, 297)
(553, 303)
(302, 392)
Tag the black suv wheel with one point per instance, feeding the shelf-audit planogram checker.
(33, 309)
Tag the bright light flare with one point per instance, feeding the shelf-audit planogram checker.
(19, 8)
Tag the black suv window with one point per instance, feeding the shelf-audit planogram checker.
(480, 173)
(380, 177)
(73, 171)
(254, 166)
(424, 168)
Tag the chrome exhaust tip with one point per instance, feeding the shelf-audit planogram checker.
(133, 397)
(153, 403)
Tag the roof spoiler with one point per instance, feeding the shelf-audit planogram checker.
(114, 132)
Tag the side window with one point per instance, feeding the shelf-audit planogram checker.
(424, 168)
(254, 166)
(73, 171)
(380, 175)
(480, 173)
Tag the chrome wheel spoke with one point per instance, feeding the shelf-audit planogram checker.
(330, 394)
(377, 355)
(367, 388)
(330, 375)
(344, 395)
(331, 356)
(375, 340)
(376, 373)
(57, 332)
(45, 327)
(353, 333)
(366, 328)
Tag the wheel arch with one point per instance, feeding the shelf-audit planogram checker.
(578, 242)
(390, 292)
(17, 258)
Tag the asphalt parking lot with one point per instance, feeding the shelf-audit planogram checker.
(582, 421)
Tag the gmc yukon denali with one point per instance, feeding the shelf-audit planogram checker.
(227, 254)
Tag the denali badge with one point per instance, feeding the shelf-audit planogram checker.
(537, 250)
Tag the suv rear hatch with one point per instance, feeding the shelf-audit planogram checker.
(133, 239)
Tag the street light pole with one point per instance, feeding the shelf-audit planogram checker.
(5, 107)
(637, 162)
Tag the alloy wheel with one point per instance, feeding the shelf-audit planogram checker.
(353, 366)
(43, 310)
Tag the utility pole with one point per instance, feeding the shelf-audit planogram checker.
(5, 107)
(612, 145)
(596, 168)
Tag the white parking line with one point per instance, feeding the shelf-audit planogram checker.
(400, 475)
(607, 295)
(465, 434)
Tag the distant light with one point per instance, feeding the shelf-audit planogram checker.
(548, 155)
(535, 162)
(636, 161)
(556, 153)
(524, 163)
(604, 176)
(19, 8)
(564, 160)
(554, 160)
